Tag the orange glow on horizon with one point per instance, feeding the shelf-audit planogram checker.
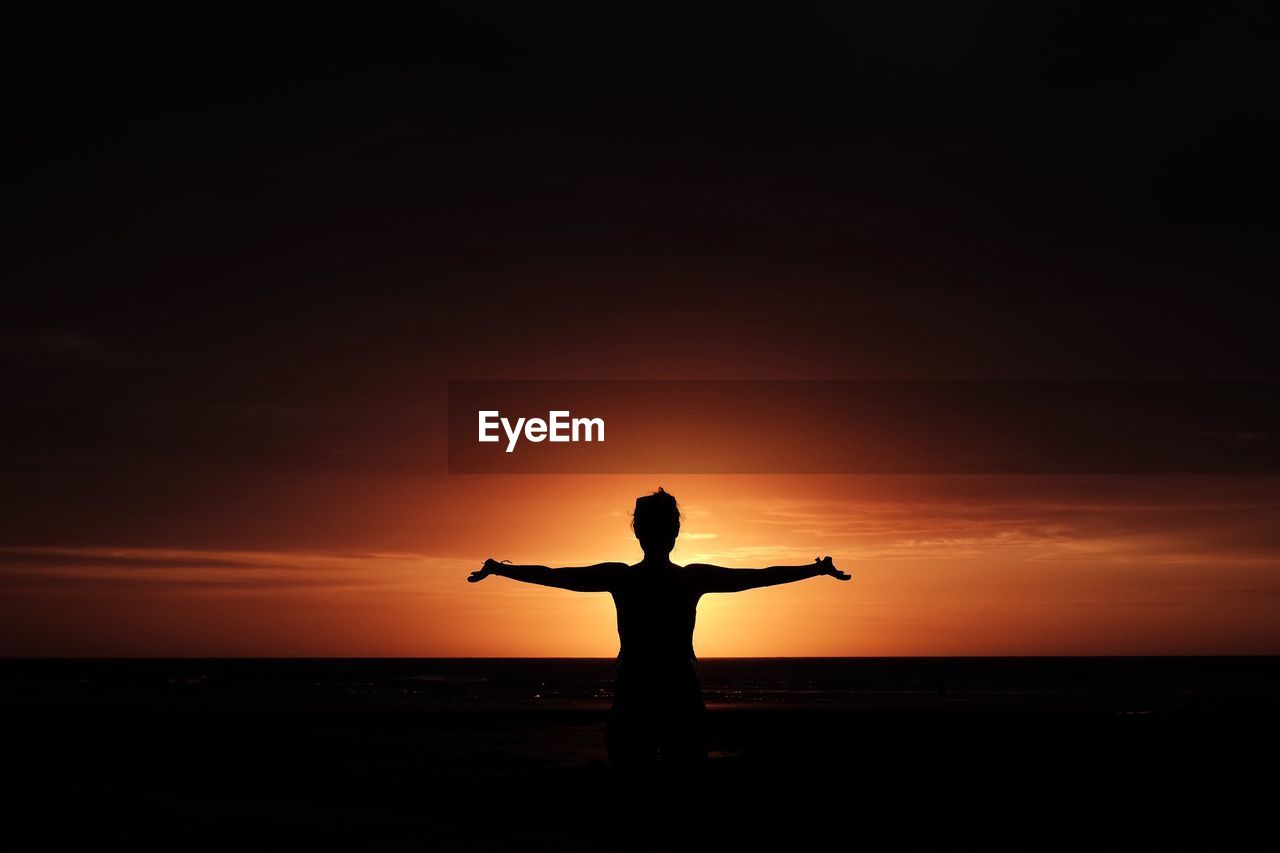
(942, 566)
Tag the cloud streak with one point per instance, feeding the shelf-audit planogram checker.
(158, 570)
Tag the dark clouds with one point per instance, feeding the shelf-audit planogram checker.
(248, 246)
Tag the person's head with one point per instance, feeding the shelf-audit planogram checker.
(656, 522)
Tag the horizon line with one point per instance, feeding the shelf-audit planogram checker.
(1191, 656)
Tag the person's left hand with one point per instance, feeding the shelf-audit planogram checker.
(829, 568)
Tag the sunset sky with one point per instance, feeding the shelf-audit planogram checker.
(1005, 565)
(249, 254)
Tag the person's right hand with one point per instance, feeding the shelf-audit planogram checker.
(490, 567)
(829, 568)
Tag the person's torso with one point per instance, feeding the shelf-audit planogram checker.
(657, 610)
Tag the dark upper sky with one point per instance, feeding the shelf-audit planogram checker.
(261, 238)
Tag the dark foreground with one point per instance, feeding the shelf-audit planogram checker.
(956, 754)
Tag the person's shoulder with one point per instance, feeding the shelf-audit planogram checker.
(698, 577)
(700, 572)
(617, 573)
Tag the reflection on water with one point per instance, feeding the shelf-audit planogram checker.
(1128, 685)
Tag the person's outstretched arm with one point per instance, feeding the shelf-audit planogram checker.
(719, 579)
(597, 578)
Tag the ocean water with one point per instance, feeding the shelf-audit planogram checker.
(1122, 683)
(991, 754)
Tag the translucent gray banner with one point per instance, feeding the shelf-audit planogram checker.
(858, 427)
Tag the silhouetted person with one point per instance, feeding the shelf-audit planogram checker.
(657, 710)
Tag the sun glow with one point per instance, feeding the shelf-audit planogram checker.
(1011, 565)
